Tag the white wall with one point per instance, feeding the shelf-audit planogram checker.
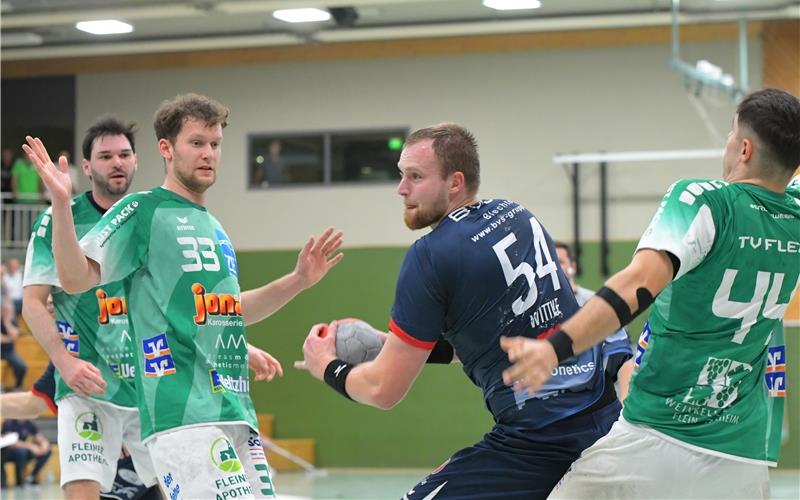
(522, 106)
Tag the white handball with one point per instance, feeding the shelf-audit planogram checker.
(356, 341)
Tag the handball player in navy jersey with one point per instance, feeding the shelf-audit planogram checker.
(486, 269)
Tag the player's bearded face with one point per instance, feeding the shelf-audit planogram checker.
(422, 186)
(426, 212)
(196, 154)
(113, 164)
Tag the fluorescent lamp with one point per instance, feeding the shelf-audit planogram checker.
(512, 4)
(301, 15)
(24, 39)
(104, 27)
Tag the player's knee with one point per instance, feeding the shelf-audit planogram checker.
(81, 489)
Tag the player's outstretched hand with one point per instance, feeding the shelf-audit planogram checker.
(532, 361)
(318, 350)
(317, 257)
(263, 364)
(82, 377)
(55, 178)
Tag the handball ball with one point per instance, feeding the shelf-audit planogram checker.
(356, 341)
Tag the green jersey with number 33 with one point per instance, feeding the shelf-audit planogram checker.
(181, 279)
(711, 362)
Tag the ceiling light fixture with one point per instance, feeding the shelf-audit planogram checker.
(104, 27)
(23, 39)
(512, 4)
(309, 15)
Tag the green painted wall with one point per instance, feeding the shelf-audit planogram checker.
(442, 413)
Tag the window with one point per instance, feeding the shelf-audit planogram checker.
(277, 160)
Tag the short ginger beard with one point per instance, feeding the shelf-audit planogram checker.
(419, 218)
(194, 185)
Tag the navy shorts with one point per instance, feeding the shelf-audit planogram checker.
(514, 462)
(45, 387)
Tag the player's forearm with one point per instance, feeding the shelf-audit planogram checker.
(369, 385)
(261, 302)
(43, 327)
(76, 272)
(649, 270)
(624, 378)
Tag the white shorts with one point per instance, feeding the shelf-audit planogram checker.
(211, 461)
(90, 437)
(636, 462)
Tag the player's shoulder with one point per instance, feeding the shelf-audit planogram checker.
(793, 189)
(132, 202)
(690, 190)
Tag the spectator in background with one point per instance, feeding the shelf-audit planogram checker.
(31, 446)
(9, 333)
(12, 284)
(7, 160)
(622, 377)
(25, 182)
(272, 170)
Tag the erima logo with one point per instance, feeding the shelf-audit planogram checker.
(183, 224)
(339, 369)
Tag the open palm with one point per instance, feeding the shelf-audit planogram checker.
(55, 178)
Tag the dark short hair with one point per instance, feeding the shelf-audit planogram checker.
(774, 116)
(107, 125)
(565, 247)
(455, 148)
(171, 115)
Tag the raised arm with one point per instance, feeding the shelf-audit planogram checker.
(630, 291)
(313, 263)
(76, 272)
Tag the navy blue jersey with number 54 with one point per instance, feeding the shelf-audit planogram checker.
(487, 270)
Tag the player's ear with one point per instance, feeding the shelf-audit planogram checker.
(747, 149)
(165, 149)
(87, 169)
(457, 182)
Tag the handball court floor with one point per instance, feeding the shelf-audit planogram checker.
(368, 484)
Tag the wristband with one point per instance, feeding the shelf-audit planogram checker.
(562, 344)
(336, 376)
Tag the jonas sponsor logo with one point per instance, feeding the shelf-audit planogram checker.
(214, 304)
(111, 308)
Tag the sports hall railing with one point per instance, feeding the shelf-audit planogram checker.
(16, 222)
(603, 159)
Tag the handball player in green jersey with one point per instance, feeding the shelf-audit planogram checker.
(720, 262)
(186, 309)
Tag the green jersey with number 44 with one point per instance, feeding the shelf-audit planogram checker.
(181, 279)
(711, 361)
(93, 325)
